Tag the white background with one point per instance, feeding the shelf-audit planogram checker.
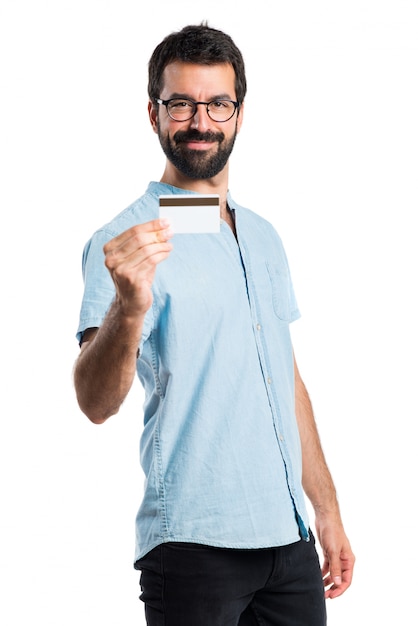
(328, 153)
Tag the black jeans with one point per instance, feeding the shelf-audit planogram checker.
(186, 584)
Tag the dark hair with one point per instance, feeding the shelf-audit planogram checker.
(196, 44)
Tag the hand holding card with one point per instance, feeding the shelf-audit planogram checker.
(191, 213)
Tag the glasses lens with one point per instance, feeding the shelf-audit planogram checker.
(181, 110)
(221, 110)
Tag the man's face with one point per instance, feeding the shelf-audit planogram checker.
(200, 147)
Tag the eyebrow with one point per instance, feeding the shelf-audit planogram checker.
(222, 96)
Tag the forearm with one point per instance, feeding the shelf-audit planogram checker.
(105, 368)
(316, 477)
(337, 568)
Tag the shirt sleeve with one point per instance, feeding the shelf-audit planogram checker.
(99, 290)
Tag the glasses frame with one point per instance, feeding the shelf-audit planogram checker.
(167, 102)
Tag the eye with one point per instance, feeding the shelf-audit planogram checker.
(180, 105)
(219, 105)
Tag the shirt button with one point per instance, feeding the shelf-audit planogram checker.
(258, 326)
(269, 380)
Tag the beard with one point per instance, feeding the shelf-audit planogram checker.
(197, 164)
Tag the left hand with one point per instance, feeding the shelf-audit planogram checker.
(339, 559)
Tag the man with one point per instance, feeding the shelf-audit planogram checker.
(229, 444)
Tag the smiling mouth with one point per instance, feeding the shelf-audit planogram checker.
(199, 145)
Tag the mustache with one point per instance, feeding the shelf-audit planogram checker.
(194, 135)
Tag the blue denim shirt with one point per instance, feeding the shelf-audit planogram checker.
(220, 447)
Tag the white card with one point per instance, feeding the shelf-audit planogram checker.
(191, 213)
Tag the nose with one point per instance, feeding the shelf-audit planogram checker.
(201, 119)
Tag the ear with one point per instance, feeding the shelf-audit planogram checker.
(153, 115)
(240, 117)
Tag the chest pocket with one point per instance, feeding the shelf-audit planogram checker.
(281, 291)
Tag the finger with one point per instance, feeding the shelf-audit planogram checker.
(155, 231)
(335, 568)
(138, 248)
(139, 263)
(335, 592)
(336, 585)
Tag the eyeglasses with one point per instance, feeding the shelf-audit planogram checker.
(182, 109)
